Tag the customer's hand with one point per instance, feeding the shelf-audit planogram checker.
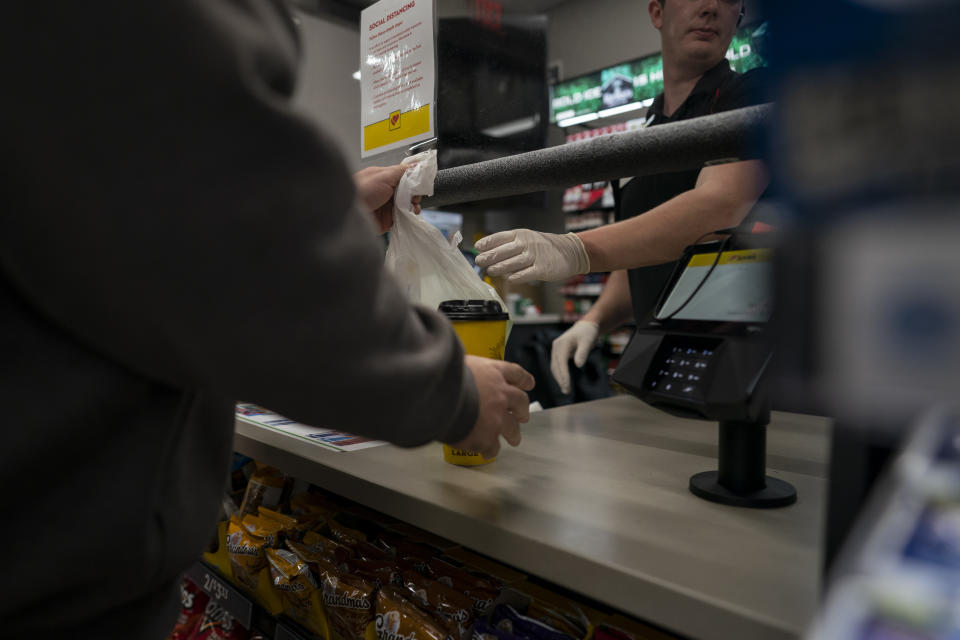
(578, 340)
(524, 255)
(503, 404)
(376, 186)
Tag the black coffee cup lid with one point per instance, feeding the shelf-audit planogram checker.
(472, 310)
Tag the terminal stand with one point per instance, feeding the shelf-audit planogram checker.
(742, 479)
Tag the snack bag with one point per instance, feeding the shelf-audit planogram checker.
(345, 535)
(247, 541)
(453, 608)
(265, 488)
(419, 536)
(308, 553)
(484, 630)
(294, 580)
(193, 602)
(496, 572)
(311, 506)
(217, 624)
(331, 549)
(399, 619)
(240, 471)
(481, 592)
(416, 555)
(555, 619)
(348, 601)
(549, 607)
(380, 572)
(455, 576)
(372, 551)
(288, 526)
(506, 618)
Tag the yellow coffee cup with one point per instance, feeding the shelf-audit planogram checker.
(482, 328)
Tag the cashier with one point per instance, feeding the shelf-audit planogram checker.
(658, 215)
(175, 237)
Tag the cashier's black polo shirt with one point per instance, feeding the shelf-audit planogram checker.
(720, 89)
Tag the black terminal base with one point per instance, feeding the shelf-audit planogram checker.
(741, 480)
(777, 493)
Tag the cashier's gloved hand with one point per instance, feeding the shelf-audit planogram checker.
(578, 341)
(503, 404)
(375, 188)
(524, 255)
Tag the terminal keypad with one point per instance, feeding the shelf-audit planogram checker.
(682, 370)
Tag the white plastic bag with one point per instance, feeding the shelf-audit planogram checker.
(428, 268)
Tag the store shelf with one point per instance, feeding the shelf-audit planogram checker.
(596, 500)
(592, 289)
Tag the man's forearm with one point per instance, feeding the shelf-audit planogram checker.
(657, 236)
(722, 198)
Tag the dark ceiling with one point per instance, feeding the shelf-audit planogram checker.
(350, 9)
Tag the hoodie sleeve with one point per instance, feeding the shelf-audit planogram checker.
(166, 206)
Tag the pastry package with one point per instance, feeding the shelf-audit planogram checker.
(481, 591)
(379, 572)
(348, 602)
(399, 619)
(453, 608)
(247, 541)
(265, 488)
(311, 506)
(506, 618)
(293, 578)
(327, 547)
(343, 534)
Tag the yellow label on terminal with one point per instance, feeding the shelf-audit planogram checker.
(742, 256)
(398, 126)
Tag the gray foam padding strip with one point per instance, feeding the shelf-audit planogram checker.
(677, 146)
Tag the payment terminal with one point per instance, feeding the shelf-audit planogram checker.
(704, 352)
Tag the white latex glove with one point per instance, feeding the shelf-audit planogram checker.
(526, 255)
(577, 340)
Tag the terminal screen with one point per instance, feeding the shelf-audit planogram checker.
(738, 290)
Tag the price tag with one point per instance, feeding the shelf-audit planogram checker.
(233, 601)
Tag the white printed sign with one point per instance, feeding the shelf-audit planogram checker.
(397, 75)
(329, 438)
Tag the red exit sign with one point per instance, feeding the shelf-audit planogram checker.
(488, 13)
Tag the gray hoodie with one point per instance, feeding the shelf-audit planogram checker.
(174, 237)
